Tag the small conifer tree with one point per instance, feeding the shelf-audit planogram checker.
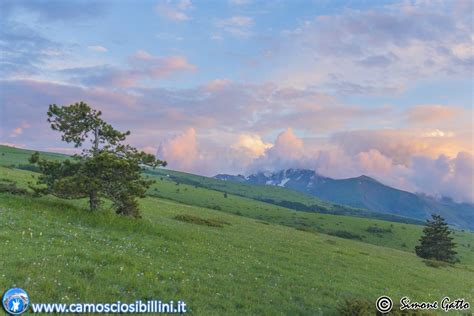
(436, 242)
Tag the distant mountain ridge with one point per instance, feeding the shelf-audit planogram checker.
(362, 192)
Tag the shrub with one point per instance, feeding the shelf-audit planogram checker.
(378, 230)
(28, 167)
(363, 307)
(345, 234)
(10, 187)
(356, 307)
(436, 264)
(201, 221)
(305, 229)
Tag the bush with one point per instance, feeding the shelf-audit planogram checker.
(378, 230)
(201, 221)
(345, 234)
(305, 229)
(363, 307)
(10, 187)
(436, 264)
(356, 307)
(28, 167)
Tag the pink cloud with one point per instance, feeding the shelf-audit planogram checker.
(19, 130)
(146, 64)
(181, 151)
(373, 161)
(236, 120)
(432, 113)
(288, 145)
(251, 145)
(444, 176)
(174, 10)
(13, 145)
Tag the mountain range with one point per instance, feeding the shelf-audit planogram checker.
(363, 192)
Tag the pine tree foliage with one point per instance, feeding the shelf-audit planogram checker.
(436, 242)
(107, 169)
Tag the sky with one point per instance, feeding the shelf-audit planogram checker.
(345, 88)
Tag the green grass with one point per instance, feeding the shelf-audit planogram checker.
(11, 156)
(401, 236)
(221, 255)
(18, 158)
(274, 195)
(64, 253)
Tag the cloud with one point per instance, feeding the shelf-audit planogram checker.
(97, 48)
(19, 130)
(288, 145)
(463, 51)
(181, 151)
(432, 113)
(158, 66)
(287, 152)
(217, 84)
(444, 176)
(23, 50)
(402, 144)
(239, 2)
(438, 176)
(174, 10)
(353, 51)
(141, 66)
(252, 145)
(238, 25)
(13, 145)
(54, 10)
(237, 124)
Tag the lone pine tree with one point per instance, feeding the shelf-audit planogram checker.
(436, 242)
(106, 169)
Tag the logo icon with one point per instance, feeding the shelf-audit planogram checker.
(15, 301)
(384, 304)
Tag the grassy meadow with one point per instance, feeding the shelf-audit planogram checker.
(222, 255)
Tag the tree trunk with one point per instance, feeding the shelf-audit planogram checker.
(93, 200)
(93, 197)
(96, 140)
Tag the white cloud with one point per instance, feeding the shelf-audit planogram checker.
(97, 48)
(239, 2)
(239, 26)
(174, 10)
(252, 145)
(378, 51)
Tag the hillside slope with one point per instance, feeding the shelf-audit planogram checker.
(242, 266)
(18, 158)
(363, 192)
(388, 234)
